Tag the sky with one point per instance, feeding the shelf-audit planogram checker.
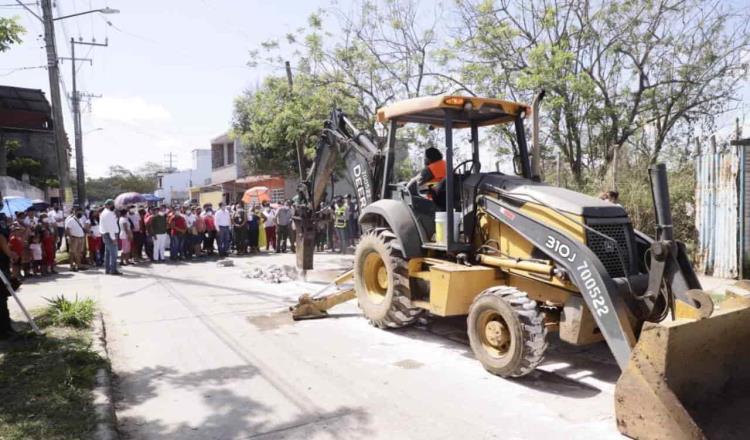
(170, 73)
(168, 77)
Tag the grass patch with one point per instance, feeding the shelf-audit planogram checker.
(62, 258)
(78, 313)
(46, 384)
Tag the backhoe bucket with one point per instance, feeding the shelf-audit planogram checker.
(689, 379)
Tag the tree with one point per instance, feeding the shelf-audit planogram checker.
(118, 181)
(10, 32)
(273, 121)
(150, 169)
(382, 51)
(618, 73)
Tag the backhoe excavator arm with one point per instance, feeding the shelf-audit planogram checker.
(341, 139)
(364, 162)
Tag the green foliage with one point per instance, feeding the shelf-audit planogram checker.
(47, 383)
(23, 165)
(77, 313)
(635, 196)
(11, 146)
(272, 121)
(17, 165)
(121, 180)
(10, 32)
(619, 74)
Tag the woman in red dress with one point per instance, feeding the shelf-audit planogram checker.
(94, 239)
(49, 247)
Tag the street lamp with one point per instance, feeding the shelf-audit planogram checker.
(96, 129)
(106, 10)
(53, 72)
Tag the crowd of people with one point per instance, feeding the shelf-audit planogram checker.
(109, 237)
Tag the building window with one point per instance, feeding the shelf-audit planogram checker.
(217, 156)
(277, 195)
(230, 154)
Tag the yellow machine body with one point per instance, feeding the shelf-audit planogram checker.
(686, 376)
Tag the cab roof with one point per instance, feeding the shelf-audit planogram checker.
(432, 110)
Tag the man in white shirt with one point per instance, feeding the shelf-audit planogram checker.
(136, 249)
(56, 216)
(74, 232)
(108, 228)
(270, 223)
(223, 222)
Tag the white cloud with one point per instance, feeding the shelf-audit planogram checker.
(128, 109)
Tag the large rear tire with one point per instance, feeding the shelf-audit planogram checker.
(381, 281)
(506, 331)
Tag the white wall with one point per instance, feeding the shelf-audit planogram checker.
(12, 187)
(176, 185)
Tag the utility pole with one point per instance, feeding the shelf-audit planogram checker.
(53, 70)
(557, 168)
(170, 159)
(76, 98)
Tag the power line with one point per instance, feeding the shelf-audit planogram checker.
(13, 70)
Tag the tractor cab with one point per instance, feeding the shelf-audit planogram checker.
(453, 194)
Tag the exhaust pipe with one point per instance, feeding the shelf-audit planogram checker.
(536, 151)
(660, 197)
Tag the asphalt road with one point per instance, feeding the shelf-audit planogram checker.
(203, 352)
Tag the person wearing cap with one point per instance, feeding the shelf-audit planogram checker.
(74, 233)
(109, 230)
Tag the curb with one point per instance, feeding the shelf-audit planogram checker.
(103, 402)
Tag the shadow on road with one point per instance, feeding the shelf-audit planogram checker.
(223, 413)
(569, 365)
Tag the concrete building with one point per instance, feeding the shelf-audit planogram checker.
(230, 178)
(26, 126)
(175, 187)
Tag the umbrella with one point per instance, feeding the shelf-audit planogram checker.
(129, 198)
(152, 198)
(40, 205)
(13, 204)
(257, 194)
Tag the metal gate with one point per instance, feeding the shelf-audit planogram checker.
(717, 215)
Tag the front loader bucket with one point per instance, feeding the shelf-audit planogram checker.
(689, 379)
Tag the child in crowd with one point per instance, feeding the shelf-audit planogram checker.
(26, 253)
(16, 246)
(49, 244)
(36, 254)
(94, 239)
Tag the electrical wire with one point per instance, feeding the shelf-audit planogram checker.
(13, 70)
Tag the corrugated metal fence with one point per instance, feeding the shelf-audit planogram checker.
(717, 203)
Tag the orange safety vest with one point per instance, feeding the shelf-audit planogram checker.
(437, 169)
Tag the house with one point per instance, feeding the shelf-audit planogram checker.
(230, 178)
(175, 187)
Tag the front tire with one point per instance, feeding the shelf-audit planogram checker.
(506, 331)
(381, 281)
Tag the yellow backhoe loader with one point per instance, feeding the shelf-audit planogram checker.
(520, 258)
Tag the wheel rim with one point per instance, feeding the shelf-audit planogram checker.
(494, 334)
(375, 274)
